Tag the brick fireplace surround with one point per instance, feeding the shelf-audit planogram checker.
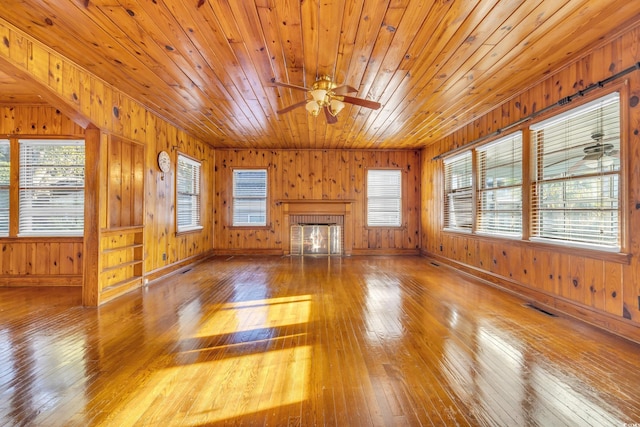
(318, 211)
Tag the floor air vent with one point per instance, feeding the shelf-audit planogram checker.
(541, 310)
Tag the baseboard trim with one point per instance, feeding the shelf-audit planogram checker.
(241, 252)
(176, 267)
(391, 252)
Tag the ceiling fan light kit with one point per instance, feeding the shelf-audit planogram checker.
(598, 155)
(313, 107)
(326, 95)
(335, 106)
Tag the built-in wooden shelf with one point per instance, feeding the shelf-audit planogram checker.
(114, 231)
(122, 283)
(121, 260)
(122, 248)
(120, 288)
(122, 265)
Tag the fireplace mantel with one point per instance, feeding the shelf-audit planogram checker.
(318, 207)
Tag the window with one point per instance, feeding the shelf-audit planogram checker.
(384, 198)
(5, 162)
(188, 194)
(250, 197)
(458, 192)
(51, 192)
(576, 194)
(500, 186)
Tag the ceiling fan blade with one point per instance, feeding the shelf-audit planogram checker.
(361, 102)
(344, 89)
(290, 86)
(292, 107)
(331, 119)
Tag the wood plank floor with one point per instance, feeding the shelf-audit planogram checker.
(359, 341)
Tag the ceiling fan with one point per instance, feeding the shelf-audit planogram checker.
(600, 154)
(325, 95)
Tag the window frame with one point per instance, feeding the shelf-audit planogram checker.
(21, 188)
(481, 189)
(401, 198)
(234, 198)
(196, 186)
(452, 190)
(7, 188)
(529, 165)
(572, 111)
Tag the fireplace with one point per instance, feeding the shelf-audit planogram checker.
(332, 216)
(316, 239)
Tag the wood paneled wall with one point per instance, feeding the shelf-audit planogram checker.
(36, 121)
(600, 289)
(35, 261)
(316, 175)
(126, 183)
(81, 100)
(165, 249)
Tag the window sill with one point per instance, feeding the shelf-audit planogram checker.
(189, 230)
(249, 227)
(41, 239)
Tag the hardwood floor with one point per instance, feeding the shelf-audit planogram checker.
(313, 341)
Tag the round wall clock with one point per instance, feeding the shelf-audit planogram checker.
(164, 161)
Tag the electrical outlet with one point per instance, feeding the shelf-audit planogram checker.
(164, 257)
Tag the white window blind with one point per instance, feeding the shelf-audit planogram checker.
(576, 197)
(500, 186)
(188, 194)
(51, 187)
(5, 163)
(384, 198)
(250, 197)
(458, 192)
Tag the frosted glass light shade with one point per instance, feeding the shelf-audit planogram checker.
(335, 107)
(313, 108)
(319, 95)
(606, 161)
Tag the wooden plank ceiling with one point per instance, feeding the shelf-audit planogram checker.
(14, 92)
(208, 66)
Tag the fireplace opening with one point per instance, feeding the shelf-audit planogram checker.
(316, 239)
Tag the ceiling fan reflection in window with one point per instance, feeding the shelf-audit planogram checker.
(601, 154)
(326, 95)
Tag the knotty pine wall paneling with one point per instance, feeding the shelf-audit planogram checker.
(36, 121)
(121, 241)
(126, 183)
(166, 250)
(79, 100)
(34, 261)
(316, 175)
(597, 288)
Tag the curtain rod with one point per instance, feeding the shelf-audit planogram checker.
(564, 101)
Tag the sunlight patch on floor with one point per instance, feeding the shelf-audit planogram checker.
(257, 314)
(219, 390)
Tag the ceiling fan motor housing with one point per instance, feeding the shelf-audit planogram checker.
(324, 83)
(598, 148)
